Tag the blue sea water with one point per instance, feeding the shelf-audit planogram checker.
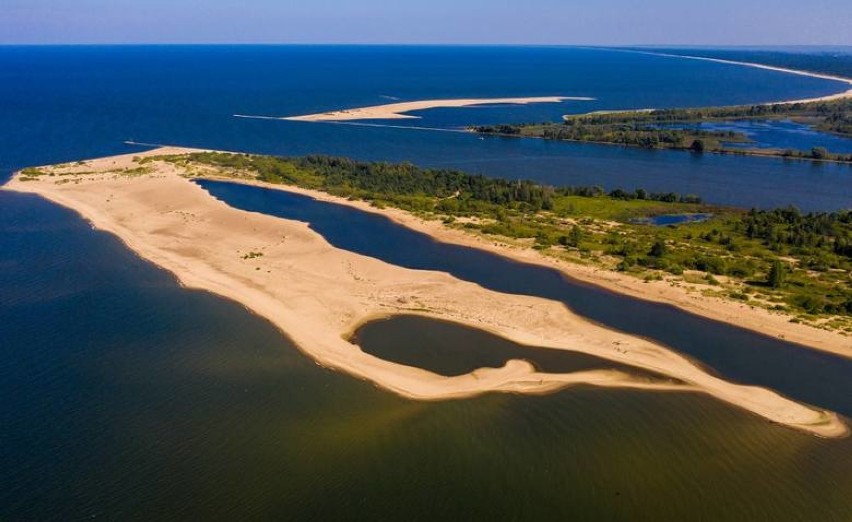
(127, 397)
(66, 103)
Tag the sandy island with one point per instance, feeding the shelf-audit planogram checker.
(318, 294)
(397, 111)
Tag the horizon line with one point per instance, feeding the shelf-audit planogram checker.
(423, 44)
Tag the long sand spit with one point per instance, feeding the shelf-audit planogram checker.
(318, 294)
(797, 72)
(831, 97)
(397, 111)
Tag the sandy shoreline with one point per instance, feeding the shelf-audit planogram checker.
(829, 97)
(759, 320)
(399, 110)
(317, 294)
(396, 111)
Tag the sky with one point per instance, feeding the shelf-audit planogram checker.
(550, 22)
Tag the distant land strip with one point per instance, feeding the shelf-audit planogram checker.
(396, 111)
(831, 97)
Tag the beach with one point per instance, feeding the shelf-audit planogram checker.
(318, 294)
(760, 320)
(396, 111)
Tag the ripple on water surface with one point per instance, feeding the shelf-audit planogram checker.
(132, 398)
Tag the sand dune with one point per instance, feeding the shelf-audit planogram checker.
(317, 294)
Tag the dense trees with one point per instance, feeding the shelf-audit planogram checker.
(788, 230)
(454, 189)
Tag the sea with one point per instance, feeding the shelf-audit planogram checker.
(126, 396)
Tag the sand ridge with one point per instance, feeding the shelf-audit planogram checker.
(317, 294)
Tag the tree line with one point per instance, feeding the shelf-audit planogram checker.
(345, 176)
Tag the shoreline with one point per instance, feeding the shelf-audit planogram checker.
(759, 320)
(847, 94)
(316, 294)
(797, 72)
(397, 111)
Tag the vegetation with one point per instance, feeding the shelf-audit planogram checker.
(669, 128)
(776, 274)
(621, 133)
(779, 259)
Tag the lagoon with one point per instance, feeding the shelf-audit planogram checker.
(740, 355)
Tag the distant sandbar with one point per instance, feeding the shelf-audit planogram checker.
(397, 111)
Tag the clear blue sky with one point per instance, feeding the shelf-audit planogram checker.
(593, 22)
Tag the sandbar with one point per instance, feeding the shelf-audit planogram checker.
(318, 294)
(397, 111)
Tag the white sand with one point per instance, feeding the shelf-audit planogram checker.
(317, 294)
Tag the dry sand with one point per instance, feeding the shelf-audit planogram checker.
(318, 294)
(760, 320)
(396, 111)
